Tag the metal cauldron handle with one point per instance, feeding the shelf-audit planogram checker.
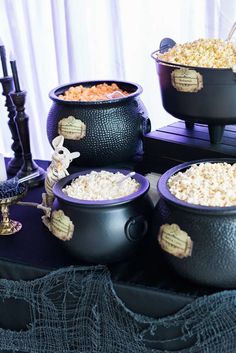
(165, 45)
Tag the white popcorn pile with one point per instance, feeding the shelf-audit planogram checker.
(206, 184)
(211, 53)
(101, 185)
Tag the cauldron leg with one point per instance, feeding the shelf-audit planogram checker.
(216, 133)
(189, 125)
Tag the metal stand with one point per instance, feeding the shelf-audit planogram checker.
(7, 225)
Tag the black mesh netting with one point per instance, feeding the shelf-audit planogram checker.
(76, 310)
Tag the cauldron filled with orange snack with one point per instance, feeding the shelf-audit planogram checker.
(103, 120)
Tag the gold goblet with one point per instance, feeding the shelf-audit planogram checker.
(7, 225)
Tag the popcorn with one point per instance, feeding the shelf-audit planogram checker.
(101, 185)
(206, 184)
(211, 53)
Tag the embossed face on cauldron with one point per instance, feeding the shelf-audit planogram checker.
(206, 184)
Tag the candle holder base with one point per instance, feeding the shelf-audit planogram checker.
(7, 225)
(36, 181)
(14, 165)
(21, 121)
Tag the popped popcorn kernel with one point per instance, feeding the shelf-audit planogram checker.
(211, 53)
(101, 185)
(206, 184)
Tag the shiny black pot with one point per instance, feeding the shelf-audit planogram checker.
(104, 132)
(197, 94)
(105, 231)
(200, 245)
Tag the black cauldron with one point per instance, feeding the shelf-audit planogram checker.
(197, 94)
(105, 231)
(199, 242)
(104, 132)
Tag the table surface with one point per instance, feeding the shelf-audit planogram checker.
(35, 246)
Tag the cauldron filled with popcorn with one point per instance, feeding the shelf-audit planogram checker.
(195, 221)
(102, 216)
(198, 82)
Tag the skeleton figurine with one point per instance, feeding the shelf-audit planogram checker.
(61, 159)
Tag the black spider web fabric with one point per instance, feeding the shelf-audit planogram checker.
(76, 310)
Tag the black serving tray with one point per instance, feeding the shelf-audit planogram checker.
(175, 143)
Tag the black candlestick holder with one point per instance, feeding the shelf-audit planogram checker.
(29, 166)
(16, 162)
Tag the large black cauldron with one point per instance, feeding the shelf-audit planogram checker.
(201, 243)
(104, 132)
(106, 231)
(197, 94)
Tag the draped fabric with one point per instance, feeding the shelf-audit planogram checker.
(61, 41)
(77, 310)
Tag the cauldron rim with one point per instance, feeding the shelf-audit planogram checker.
(53, 94)
(57, 190)
(188, 207)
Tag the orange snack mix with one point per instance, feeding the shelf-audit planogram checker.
(102, 91)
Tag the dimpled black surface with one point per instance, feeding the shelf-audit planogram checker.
(113, 130)
(213, 259)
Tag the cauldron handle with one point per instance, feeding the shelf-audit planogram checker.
(136, 228)
(166, 44)
(145, 125)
